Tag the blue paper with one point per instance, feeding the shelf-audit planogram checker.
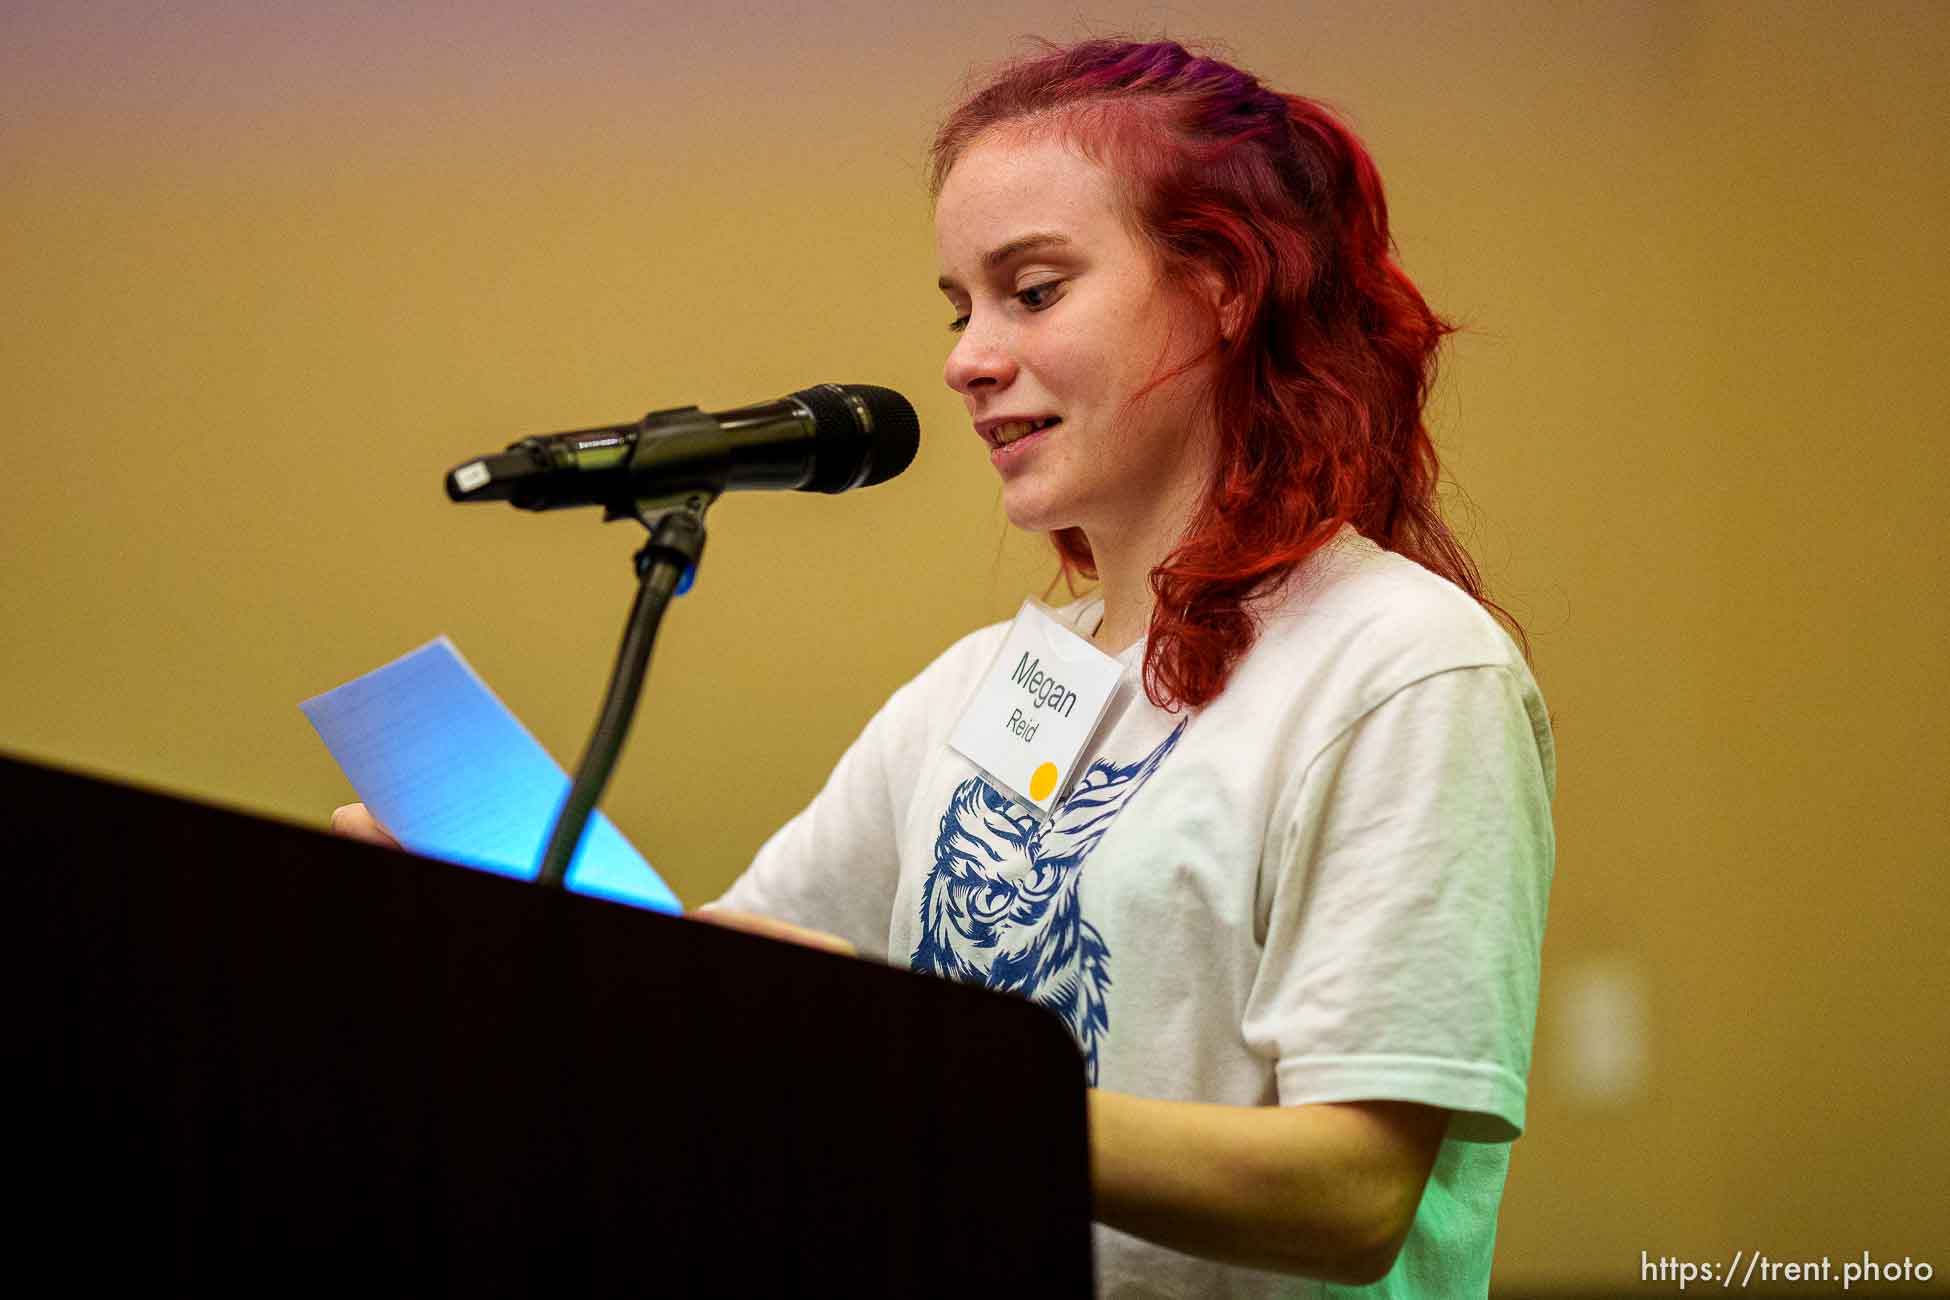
(443, 764)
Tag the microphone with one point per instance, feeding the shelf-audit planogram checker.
(827, 438)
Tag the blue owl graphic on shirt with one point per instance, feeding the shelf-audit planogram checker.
(999, 907)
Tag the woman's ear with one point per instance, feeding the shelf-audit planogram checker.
(1232, 315)
(1224, 300)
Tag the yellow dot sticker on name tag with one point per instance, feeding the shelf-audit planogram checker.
(1042, 782)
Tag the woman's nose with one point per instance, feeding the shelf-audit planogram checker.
(979, 361)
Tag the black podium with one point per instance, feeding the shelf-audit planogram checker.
(255, 1056)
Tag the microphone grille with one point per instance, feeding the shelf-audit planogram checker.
(866, 435)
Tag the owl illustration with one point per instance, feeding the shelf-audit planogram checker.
(999, 907)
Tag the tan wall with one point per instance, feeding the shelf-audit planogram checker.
(268, 277)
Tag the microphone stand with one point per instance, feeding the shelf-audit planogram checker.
(664, 567)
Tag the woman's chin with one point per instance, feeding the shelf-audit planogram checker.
(1033, 516)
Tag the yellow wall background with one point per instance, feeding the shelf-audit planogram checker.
(271, 270)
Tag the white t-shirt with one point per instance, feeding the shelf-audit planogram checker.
(1326, 885)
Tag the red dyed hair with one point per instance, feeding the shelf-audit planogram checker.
(1318, 398)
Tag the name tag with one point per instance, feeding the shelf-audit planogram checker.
(1036, 707)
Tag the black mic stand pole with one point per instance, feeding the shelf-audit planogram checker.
(667, 560)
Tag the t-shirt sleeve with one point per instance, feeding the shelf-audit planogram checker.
(1406, 889)
(834, 866)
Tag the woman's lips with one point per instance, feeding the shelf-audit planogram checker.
(1001, 457)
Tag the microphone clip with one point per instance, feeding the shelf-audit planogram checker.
(676, 527)
(682, 452)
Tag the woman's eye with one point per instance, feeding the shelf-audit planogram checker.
(1038, 296)
(1034, 296)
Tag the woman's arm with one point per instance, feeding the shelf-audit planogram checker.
(771, 927)
(1327, 1190)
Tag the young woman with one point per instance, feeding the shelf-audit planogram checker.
(1292, 911)
(1291, 907)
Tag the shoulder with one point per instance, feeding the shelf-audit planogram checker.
(961, 662)
(1356, 626)
(927, 707)
(1386, 608)
(931, 700)
(1376, 616)
(956, 668)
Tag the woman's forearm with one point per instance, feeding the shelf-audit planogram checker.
(1324, 1190)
